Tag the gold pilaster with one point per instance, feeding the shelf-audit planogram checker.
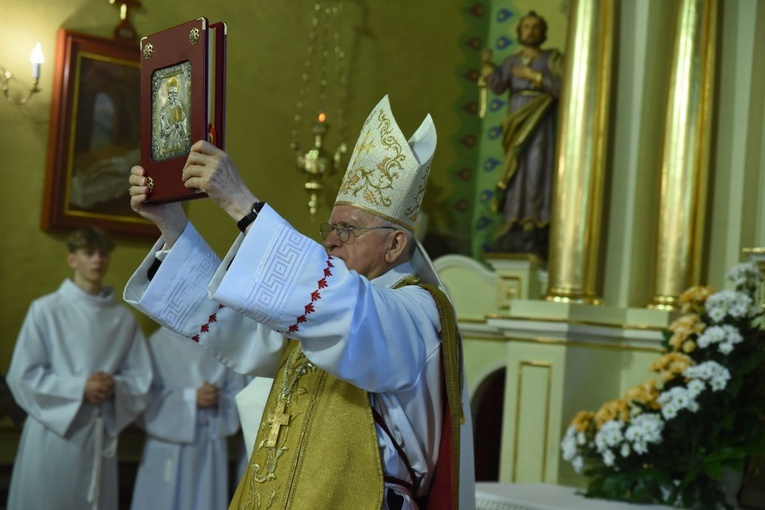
(575, 229)
(685, 156)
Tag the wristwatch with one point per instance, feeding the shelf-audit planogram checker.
(250, 216)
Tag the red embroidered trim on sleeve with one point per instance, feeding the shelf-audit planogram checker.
(315, 296)
(205, 328)
(309, 308)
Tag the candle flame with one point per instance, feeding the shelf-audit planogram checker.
(37, 55)
(322, 117)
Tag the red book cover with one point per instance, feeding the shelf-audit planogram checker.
(183, 100)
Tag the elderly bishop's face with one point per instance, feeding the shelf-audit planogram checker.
(364, 250)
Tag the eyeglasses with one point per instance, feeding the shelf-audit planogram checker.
(344, 231)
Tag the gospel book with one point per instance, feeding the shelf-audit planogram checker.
(183, 100)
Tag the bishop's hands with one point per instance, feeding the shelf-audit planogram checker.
(208, 169)
(211, 170)
(99, 388)
(169, 218)
(207, 395)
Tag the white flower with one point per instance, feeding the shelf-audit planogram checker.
(640, 447)
(568, 443)
(581, 438)
(717, 314)
(717, 375)
(725, 348)
(720, 381)
(644, 429)
(680, 395)
(739, 310)
(745, 275)
(728, 302)
(608, 457)
(625, 450)
(705, 371)
(732, 334)
(675, 400)
(578, 463)
(711, 335)
(600, 442)
(695, 387)
(569, 448)
(609, 435)
(740, 306)
(669, 411)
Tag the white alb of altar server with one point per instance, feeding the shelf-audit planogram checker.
(185, 458)
(67, 453)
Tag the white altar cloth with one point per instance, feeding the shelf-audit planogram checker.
(543, 496)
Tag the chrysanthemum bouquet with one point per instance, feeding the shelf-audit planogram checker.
(670, 439)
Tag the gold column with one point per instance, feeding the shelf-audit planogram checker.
(575, 226)
(685, 156)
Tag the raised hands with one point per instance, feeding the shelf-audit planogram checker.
(208, 169)
(169, 218)
(211, 170)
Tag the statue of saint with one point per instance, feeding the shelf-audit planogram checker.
(524, 189)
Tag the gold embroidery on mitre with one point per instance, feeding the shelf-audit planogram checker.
(373, 185)
(413, 210)
(385, 176)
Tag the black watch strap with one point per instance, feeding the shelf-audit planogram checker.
(250, 217)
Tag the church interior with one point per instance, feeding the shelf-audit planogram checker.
(658, 177)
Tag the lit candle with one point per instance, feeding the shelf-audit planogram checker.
(37, 59)
(322, 117)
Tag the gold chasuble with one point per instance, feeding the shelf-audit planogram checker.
(316, 447)
(317, 444)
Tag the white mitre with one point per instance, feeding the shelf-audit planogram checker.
(387, 175)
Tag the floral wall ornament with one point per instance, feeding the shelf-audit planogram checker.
(671, 439)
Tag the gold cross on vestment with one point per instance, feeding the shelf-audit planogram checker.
(278, 419)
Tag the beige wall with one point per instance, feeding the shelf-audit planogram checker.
(399, 49)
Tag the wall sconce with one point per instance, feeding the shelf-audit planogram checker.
(37, 59)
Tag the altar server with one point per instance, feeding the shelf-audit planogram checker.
(188, 420)
(81, 371)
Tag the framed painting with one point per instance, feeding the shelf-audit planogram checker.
(94, 136)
